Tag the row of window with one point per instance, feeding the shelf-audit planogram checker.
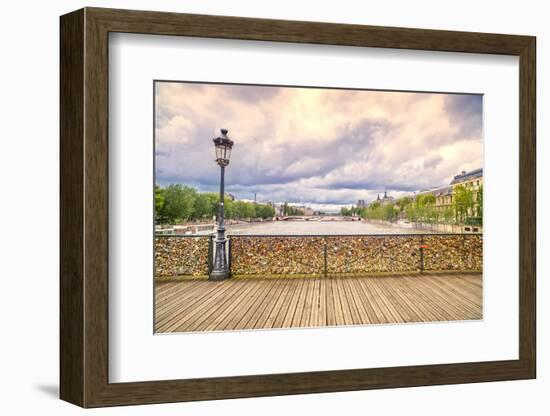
(471, 184)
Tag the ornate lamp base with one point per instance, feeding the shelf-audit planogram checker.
(220, 270)
(219, 275)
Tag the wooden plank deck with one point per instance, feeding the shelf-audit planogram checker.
(242, 304)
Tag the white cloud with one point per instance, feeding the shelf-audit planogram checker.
(315, 145)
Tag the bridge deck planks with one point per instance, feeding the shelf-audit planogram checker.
(242, 304)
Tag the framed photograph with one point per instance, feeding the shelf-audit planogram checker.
(255, 207)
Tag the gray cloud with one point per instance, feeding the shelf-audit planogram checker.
(432, 161)
(465, 112)
(314, 145)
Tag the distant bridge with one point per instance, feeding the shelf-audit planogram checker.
(323, 218)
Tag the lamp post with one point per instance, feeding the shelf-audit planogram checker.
(220, 269)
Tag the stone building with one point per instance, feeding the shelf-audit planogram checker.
(472, 179)
(385, 200)
(444, 196)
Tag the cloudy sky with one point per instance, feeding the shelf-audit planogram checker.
(320, 147)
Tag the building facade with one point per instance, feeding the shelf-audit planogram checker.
(472, 181)
(386, 199)
(445, 195)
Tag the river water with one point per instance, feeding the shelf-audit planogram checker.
(319, 227)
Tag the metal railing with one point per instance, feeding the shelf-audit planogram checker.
(187, 255)
(321, 255)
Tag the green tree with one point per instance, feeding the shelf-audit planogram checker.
(377, 211)
(249, 210)
(204, 206)
(448, 214)
(403, 203)
(290, 210)
(411, 212)
(431, 214)
(463, 202)
(228, 207)
(239, 209)
(425, 199)
(286, 209)
(479, 206)
(375, 205)
(159, 202)
(423, 209)
(388, 212)
(264, 211)
(178, 202)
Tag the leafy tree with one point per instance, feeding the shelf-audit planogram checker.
(463, 202)
(425, 199)
(264, 211)
(159, 201)
(422, 209)
(448, 214)
(479, 206)
(403, 203)
(249, 210)
(412, 213)
(290, 210)
(362, 212)
(178, 202)
(374, 205)
(431, 214)
(228, 207)
(238, 209)
(378, 211)
(389, 213)
(206, 205)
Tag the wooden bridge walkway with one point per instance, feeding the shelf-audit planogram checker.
(242, 304)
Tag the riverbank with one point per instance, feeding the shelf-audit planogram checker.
(319, 226)
(429, 228)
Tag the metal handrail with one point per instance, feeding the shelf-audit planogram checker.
(325, 255)
(355, 235)
(183, 235)
(378, 252)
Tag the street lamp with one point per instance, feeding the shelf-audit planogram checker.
(223, 145)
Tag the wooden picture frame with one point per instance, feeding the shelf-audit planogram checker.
(84, 207)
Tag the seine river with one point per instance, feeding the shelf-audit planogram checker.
(319, 227)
